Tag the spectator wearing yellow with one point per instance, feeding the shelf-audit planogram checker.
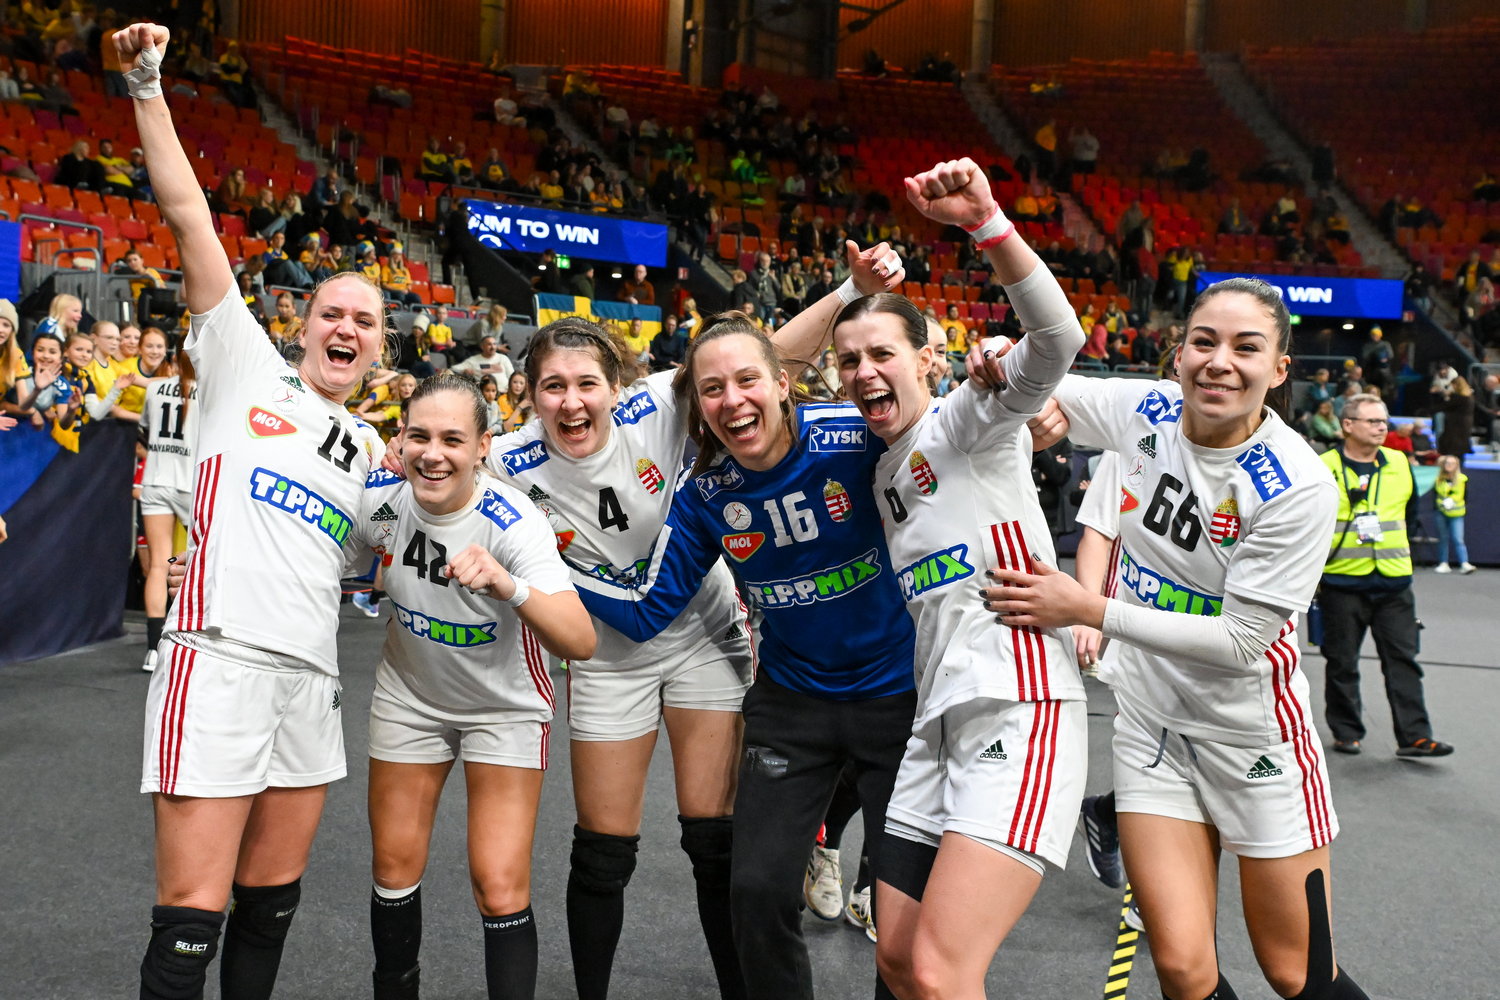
(365, 261)
(130, 355)
(439, 337)
(954, 330)
(637, 341)
(461, 163)
(550, 187)
(436, 164)
(107, 365)
(495, 171)
(117, 169)
(142, 277)
(13, 366)
(1025, 208)
(514, 403)
(395, 279)
(285, 326)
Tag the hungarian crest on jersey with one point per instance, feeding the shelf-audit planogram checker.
(921, 472)
(649, 475)
(836, 499)
(1224, 527)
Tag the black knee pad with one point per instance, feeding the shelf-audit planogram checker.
(707, 843)
(1322, 983)
(602, 863)
(905, 864)
(261, 915)
(183, 942)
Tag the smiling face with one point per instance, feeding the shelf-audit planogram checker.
(517, 385)
(342, 336)
(47, 352)
(573, 400)
(443, 449)
(80, 351)
(153, 348)
(883, 374)
(1231, 356)
(740, 399)
(130, 342)
(106, 337)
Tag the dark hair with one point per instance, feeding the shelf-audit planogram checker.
(730, 324)
(912, 320)
(574, 333)
(447, 381)
(1278, 398)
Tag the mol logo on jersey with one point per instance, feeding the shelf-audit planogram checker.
(836, 437)
(836, 499)
(287, 494)
(498, 510)
(831, 583)
(921, 472)
(936, 569)
(1157, 408)
(263, 424)
(519, 460)
(632, 410)
(711, 483)
(1265, 471)
(1128, 501)
(1224, 528)
(444, 633)
(744, 545)
(1157, 591)
(649, 475)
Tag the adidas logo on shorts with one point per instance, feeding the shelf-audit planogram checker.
(1147, 446)
(995, 752)
(384, 514)
(1263, 768)
(338, 701)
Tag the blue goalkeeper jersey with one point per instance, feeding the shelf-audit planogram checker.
(805, 542)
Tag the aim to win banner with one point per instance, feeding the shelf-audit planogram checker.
(615, 316)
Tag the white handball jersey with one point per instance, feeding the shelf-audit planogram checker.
(171, 435)
(608, 509)
(464, 654)
(959, 499)
(1104, 498)
(279, 478)
(1195, 524)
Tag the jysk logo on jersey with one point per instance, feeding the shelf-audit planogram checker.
(1265, 471)
(287, 494)
(1224, 527)
(836, 499)
(263, 424)
(444, 633)
(831, 583)
(649, 475)
(519, 460)
(922, 474)
(381, 477)
(1147, 446)
(498, 510)
(836, 437)
(1156, 590)
(632, 410)
(713, 482)
(744, 545)
(936, 569)
(1158, 409)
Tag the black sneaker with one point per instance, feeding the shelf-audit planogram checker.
(1346, 746)
(1425, 747)
(1103, 842)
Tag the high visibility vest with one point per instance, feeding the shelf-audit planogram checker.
(1457, 492)
(1389, 491)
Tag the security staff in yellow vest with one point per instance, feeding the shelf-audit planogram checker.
(1367, 585)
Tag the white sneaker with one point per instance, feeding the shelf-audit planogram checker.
(822, 886)
(150, 665)
(1466, 568)
(1133, 919)
(367, 607)
(858, 912)
(1441, 568)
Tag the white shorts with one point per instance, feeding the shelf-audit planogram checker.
(623, 703)
(1007, 774)
(217, 728)
(403, 730)
(165, 500)
(1266, 802)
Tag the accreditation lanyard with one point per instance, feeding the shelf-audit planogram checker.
(1366, 523)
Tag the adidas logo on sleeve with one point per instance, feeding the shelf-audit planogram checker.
(1263, 768)
(995, 752)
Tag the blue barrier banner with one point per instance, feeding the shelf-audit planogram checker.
(10, 261)
(1305, 295)
(508, 226)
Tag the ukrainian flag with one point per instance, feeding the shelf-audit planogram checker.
(616, 316)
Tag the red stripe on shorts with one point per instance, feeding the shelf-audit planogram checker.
(536, 666)
(182, 673)
(1032, 777)
(1056, 724)
(1036, 651)
(210, 501)
(546, 742)
(1004, 561)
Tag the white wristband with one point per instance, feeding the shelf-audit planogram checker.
(144, 82)
(523, 591)
(847, 293)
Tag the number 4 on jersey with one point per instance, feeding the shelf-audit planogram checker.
(416, 557)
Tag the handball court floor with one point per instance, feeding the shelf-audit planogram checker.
(1415, 872)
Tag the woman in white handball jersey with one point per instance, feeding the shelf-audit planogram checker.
(478, 591)
(170, 421)
(994, 771)
(243, 727)
(1214, 744)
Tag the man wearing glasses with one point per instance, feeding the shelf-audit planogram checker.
(1367, 585)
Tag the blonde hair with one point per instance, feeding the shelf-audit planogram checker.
(59, 310)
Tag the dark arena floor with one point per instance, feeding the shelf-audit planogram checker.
(1414, 886)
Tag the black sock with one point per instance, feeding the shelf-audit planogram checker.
(183, 942)
(254, 935)
(396, 933)
(1104, 808)
(862, 881)
(841, 808)
(153, 631)
(600, 869)
(1221, 992)
(707, 843)
(510, 956)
